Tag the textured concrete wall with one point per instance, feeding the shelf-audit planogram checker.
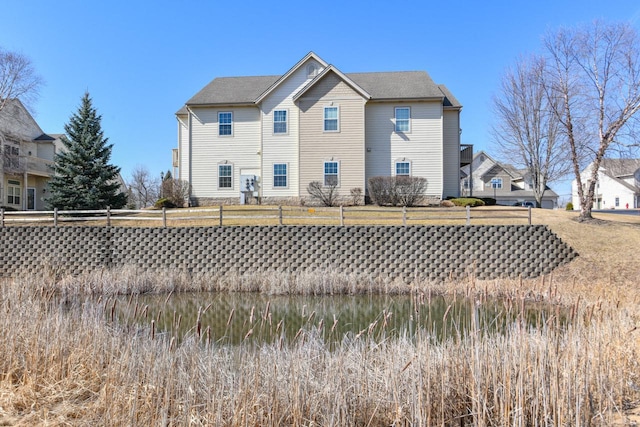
(415, 251)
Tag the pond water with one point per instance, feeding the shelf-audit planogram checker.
(235, 318)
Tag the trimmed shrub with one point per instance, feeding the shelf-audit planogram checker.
(488, 201)
(397, 190)
(327, 195)
(164, 203)
(468, 201)
(447, 204)
(569, 206)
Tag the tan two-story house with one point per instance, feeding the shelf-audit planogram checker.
(27, 157)
(268, 137)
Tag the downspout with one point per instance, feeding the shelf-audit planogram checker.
(1, 169)
(189, 153)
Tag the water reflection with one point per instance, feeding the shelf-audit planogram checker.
(234, 318)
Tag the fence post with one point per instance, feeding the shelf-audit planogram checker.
(529, 215)
(55, 217)
(164, 217)
(280, 215)
(341, 215)
(468, 215)
(108, 216)
(220, 215)
(2, 217)
(404, 215)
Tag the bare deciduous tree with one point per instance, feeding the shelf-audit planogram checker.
(144, 189)
(527, 132)
(18, 79)
(593, 76)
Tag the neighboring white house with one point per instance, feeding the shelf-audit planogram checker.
(26, 154)
(617, 186)
(486, 177)
(270, 136)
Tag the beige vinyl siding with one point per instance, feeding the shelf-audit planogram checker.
(183, 147)
(240, 149)
(451, 154)
(422, 146)
(345, 146)
(282, 148)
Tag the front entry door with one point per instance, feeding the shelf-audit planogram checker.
(31, 199)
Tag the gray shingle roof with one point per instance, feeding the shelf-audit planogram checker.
(397, 85)
(381, 86)
(232, 90)
(620, 167)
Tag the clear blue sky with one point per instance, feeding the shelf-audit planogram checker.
(140, 61)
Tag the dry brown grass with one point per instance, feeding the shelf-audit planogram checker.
(63, 364)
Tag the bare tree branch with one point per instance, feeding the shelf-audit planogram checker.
(18, 79)
(526, 132)
(594, 73)
(144, 189)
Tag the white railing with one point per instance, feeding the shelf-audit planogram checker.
(263, 215)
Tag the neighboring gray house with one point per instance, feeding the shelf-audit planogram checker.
(270, 136)
(617, 187)
(27, 155)
(486, 177)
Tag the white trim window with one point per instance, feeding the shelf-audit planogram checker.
(331, 119)
(403, 168)
(496, 183)
(225, 123)
(331, 173)
(225, 176)
(403, 119)
(14, 191)
(280, 177)
(280, 121)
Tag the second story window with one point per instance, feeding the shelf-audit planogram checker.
(403, 168)
(225, 123)
(496, 183)
(280, 121)
(224, 176)
(403, 119)
(331, 119)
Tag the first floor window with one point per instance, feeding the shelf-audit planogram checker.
(280, 175)
(331, 119)
(617, 202)
(224, 176)
(13, 192)
(403, 119)
(225, 123)
(403, 168)
(280, 121)
(331, 170)
(465, 184)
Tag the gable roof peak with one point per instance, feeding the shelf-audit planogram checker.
(307, 57)
(332, 69)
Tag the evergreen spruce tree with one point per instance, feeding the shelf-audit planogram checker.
(83, 177)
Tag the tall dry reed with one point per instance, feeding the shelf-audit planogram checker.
(65, 363)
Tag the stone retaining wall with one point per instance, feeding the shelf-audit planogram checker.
(434, 252)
